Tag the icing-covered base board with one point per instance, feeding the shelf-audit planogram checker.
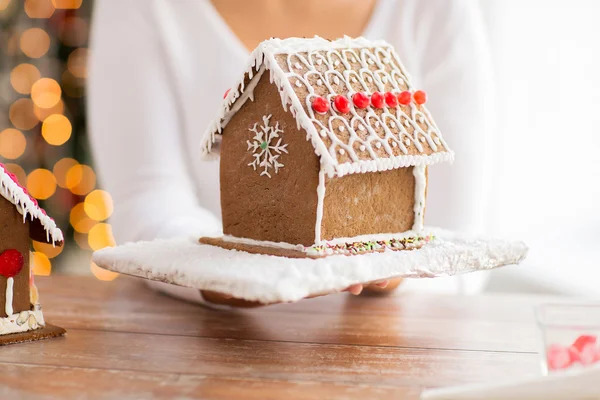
(271, 279)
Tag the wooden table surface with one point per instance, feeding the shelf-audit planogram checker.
(126, 341)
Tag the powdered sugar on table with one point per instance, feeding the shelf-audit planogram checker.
(271, 279)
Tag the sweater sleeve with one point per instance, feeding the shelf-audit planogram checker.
(135, 129)
(446, 49)
(454, 67)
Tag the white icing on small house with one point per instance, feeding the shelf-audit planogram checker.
(28, 207)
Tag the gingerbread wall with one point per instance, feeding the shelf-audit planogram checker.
(14, 234)
(281, 208)
(362, 204)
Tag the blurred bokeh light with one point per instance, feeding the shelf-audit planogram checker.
(34, 42)
(41, 183)
(46, 93)
(103, 274)
(100, 236)
(39, 8)
(40, 264)
(23, 76)
(43, 138)
(56, 129)
(21, 114)
(12, 143)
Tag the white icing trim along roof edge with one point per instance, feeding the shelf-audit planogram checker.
(263, 57)
(13, 192)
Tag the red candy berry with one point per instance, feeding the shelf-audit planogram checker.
(341, 103)
(558, 357)
(226, 92)
(404, 98)
(420, 97)
(377, 100)
(320, 105)
(361, 100)
(390, 99)
(584, 340)
(11, 263)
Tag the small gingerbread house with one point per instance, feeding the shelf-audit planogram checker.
(21, 219)
(324, 149)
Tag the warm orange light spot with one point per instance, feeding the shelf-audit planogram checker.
(73, 31)
(41, 183)
(21, 114)
(43, 113)
(12, 143)
(34, 42)
(77, 63)
(17, 170)
(40, 264)
(80, 220)
(47, 249)
(56, 129)
(67, 4)
(100, 236)
(103, 274)
(99, 205)
(45, 93)
(80, 179)
(72, 85)
(4, 4)
(61, 168)
(39, 8)
(81, 240)
(23, 76)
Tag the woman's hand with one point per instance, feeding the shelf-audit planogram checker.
(378, 287)
(224, 299)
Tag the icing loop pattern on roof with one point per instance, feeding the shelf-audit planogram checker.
(27, 206)
(359, 137)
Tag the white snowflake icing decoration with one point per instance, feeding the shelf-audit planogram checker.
(264, 149)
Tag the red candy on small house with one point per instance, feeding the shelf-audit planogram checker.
(558, 357)
(320, 105)
(420, 97)
(226, 92)
(390, 99)
(11, 263)
(404, 98)
(361, 100)
(341, 103)
(377, 100)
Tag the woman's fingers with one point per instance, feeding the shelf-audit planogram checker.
(355, 289)
(382, 284)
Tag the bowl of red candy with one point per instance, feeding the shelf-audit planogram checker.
(570, 336)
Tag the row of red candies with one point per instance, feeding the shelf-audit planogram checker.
(361, 100)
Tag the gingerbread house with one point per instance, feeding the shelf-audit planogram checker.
(324, 148)
(21, 219)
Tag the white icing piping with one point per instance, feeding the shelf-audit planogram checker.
(263, 57)
(420, 187)
(14, 193)
(385, 164)
(320, 204)
(264, 243)
(8, 302)
(266, 146)
(23, 321)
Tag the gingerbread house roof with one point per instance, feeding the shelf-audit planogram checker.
(348, 135)
(27, 206)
